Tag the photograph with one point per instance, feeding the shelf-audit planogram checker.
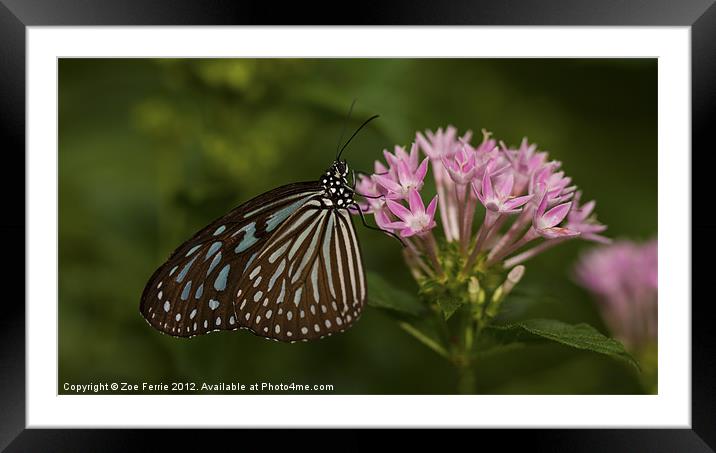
(369, 226)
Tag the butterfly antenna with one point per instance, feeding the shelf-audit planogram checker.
(355, 133)
(345, 124)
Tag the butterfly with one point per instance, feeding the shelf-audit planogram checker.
(286, 265)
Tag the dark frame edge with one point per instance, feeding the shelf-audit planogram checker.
(12, 125)
(12, 337)
(703, 110)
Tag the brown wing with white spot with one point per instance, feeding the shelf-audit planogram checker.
(193, 292)
(307, 281)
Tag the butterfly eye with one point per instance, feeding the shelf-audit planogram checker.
(341, 168)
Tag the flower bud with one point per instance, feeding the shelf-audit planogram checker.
(513, 277)
(473, 289)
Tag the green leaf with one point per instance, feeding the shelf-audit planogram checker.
(449, 306)
(580, 336)
(382, 294)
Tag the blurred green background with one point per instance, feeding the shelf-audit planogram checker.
(152, 150)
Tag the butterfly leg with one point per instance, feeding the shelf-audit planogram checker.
(363, 173)
(363, 195)
(355, 181)
(365, 224)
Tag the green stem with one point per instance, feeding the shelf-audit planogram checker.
(427, 341)
(469, 337)
(464, 359)
(466, 379)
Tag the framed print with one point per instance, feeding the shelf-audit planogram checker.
(485, 211)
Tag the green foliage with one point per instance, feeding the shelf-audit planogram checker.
(579, 336)
(383, 295)
(456, 288)
(475, 335)
(449, 305)
(152, 150)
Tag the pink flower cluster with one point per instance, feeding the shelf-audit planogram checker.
(623, 276)
(526, 199)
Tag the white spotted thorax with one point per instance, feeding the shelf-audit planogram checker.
(335, 185)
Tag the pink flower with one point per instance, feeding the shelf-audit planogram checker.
(379, 168)
(436, 146)
(383, 220)
(499, 199)
(545, 222)
(488, 144)
(400, 155)
(527, 200)
(555, 183)
(441, 143)
(580, 219)
(372, 201)
(487, 156)
(416, 220)
(525, 161)
(623, 276)
(461, 166)
(406, 177)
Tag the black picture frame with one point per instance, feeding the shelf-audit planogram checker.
(16, 15)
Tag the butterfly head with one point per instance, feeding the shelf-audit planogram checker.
(335, 184)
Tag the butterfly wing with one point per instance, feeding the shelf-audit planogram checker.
(307, 281)
(194, 291)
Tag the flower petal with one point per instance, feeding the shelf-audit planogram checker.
(416, 203)
(399, 210)
(557, 232)
(504, 188)
(405, 176)
(379, 168)
(431, 207)
(596, 238)
(388, 183)
(477, 192)
(514, 203)
(384, 221)
(542, 202)
(555, 215)
(587, 208)
(422, 170)
(487, 192)
(413, 159)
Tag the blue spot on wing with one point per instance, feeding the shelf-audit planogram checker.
(213, 264)
(199, 291)
(186, 291)
(219, 230)
(248, 263)
(193, 249)
(214, 247)
(248, 239)
(279, 216)
(220, 283)
(184, 271)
